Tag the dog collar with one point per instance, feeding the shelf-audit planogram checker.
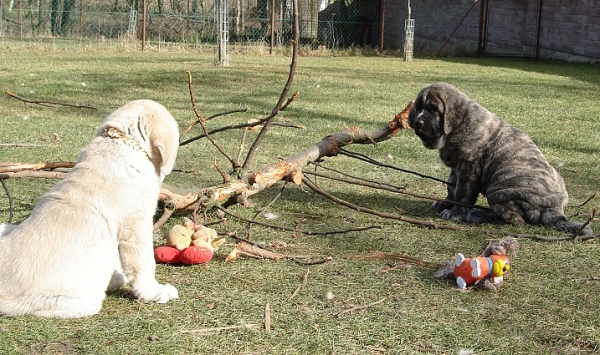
(116, 134)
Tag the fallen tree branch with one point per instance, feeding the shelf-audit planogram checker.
(47, 103)
(290, 169)
(16, 167)
(36, 174)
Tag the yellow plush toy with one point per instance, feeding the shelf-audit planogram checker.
(180, 236)
(188, 243)
(207, 238)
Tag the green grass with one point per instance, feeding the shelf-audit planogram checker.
(543, 308)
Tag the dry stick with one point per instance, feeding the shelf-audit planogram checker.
(264, 209)
(267, 317)
(218, 329)
(213, 116)
(304, 282)
(375, 162)
(224, 128)
(290, 229)
(426, 224)
(322, 192)
(592, 215)
(379, 186)
(394, 256)
(594, 195)
(23, 145)
(379, 183)
(36, 174)
(201, 121)
(356, 308)
(242, 145)
(10, 201)
(168, 210)
(288, 84)
(47, 103)
(16, 167)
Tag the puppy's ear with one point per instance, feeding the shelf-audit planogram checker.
(166, 157)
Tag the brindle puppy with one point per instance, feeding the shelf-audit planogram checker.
(488, 156)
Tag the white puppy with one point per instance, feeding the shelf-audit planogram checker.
(60, 260)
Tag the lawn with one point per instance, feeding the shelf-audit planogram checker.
(549, 303)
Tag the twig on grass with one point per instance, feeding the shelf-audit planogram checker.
(367, 159)
(304, 283)
(432, 225)
(585, 224)
(594, 195)
(356, 308)
(591, 278)
(290, 229)
(243, 326)
(10, 200)
(47, 103)
(395, 256)
(267, 317)
(387, 187)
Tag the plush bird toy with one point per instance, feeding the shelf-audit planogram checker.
(188, 243)
(486, 270)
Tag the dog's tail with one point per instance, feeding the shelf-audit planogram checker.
(557, 219)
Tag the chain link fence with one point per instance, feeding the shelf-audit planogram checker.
(334, 24)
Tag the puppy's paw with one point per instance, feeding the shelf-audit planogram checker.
(157, 293)
(476, 217)
(451, 215)
(482, 216)
(439, 206)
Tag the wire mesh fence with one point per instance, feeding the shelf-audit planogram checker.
(334, 24)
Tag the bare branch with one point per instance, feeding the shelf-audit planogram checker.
(375, 162)
(47, 103)
(356, 308)
(201, 122)
(10, 201)
(288, 84)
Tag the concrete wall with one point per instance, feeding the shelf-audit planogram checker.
(568, 29)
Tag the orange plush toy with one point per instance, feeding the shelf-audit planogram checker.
(468, 271)
(486, 270)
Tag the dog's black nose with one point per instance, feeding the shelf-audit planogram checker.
(419, 125)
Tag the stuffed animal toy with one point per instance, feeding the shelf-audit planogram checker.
(468, 271)
(189, 244)
(180, 236)
(486, 270)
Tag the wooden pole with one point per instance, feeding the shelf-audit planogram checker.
(382, 26)
(272, 27)
(144, 25)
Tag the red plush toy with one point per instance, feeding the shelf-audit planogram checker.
(189, 256)
(189, 244)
